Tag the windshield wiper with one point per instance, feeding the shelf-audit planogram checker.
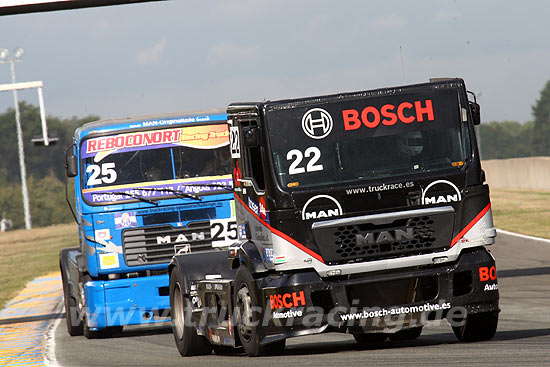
(133, 196)
(178, 193)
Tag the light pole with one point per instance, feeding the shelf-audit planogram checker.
(17, 57)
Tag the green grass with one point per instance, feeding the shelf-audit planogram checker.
(27, 254)
(526, 212)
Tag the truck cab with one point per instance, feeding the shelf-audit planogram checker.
(145, 189)
(362, 212)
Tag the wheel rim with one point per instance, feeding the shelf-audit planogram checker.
(178, 313)
(81, 306)
(82, 299)
(244, 304)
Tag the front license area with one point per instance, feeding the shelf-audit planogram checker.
(306, 308)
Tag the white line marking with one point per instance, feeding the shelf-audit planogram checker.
(523, 236)
(49, 346)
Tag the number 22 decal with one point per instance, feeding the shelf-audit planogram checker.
(297, 155)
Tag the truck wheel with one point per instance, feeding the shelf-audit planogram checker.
(72, 317)
(369, 338)
(406, 334)
(247, 317)
(188, 342)
(477, 327)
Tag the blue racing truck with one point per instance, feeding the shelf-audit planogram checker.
(145, 190)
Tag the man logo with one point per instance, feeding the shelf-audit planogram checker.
(181, 238)
(317, 123)
(324, 213)
(401, 234)
(427, 200)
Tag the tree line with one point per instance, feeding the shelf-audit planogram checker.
(46, 173)
(44, 166)
(511, 139)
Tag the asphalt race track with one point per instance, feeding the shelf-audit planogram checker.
(522, 339)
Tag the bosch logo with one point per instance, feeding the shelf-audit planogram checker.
(487, 273)
(287, 300)
(388, 115)
(317, 123)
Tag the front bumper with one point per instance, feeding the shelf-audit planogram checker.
(130, 301)
(386, 301)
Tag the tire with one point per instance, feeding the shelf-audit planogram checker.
(188, 342)
(88, 333)
(406, 334)
(72, 316)
(477, 327)
(369, 338)
(247, 320)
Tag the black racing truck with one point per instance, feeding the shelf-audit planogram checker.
(363, 213)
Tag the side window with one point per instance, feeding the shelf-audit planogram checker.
(256, 164)
(253, 161)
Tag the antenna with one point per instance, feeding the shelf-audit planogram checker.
(402, 64)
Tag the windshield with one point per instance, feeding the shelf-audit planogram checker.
(143, 164)
(367, 139)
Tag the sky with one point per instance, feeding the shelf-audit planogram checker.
(177, 56)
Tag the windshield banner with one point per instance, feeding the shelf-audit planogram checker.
(366, 117)
(199, 137)
(334, 140)
(157, 191)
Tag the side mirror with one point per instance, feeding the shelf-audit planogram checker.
(474, 108)
(251, 136)
(71, 163)
(476, 113)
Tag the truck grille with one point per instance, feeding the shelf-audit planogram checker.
(155, 245)
(368, 238)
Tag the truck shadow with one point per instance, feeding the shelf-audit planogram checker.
(329, 347)
(34, 318)
(137, 331)
(350, 345)
(508, 273)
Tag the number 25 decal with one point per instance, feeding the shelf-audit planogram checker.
(107, 171)
(223, 231)
(297, 155)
